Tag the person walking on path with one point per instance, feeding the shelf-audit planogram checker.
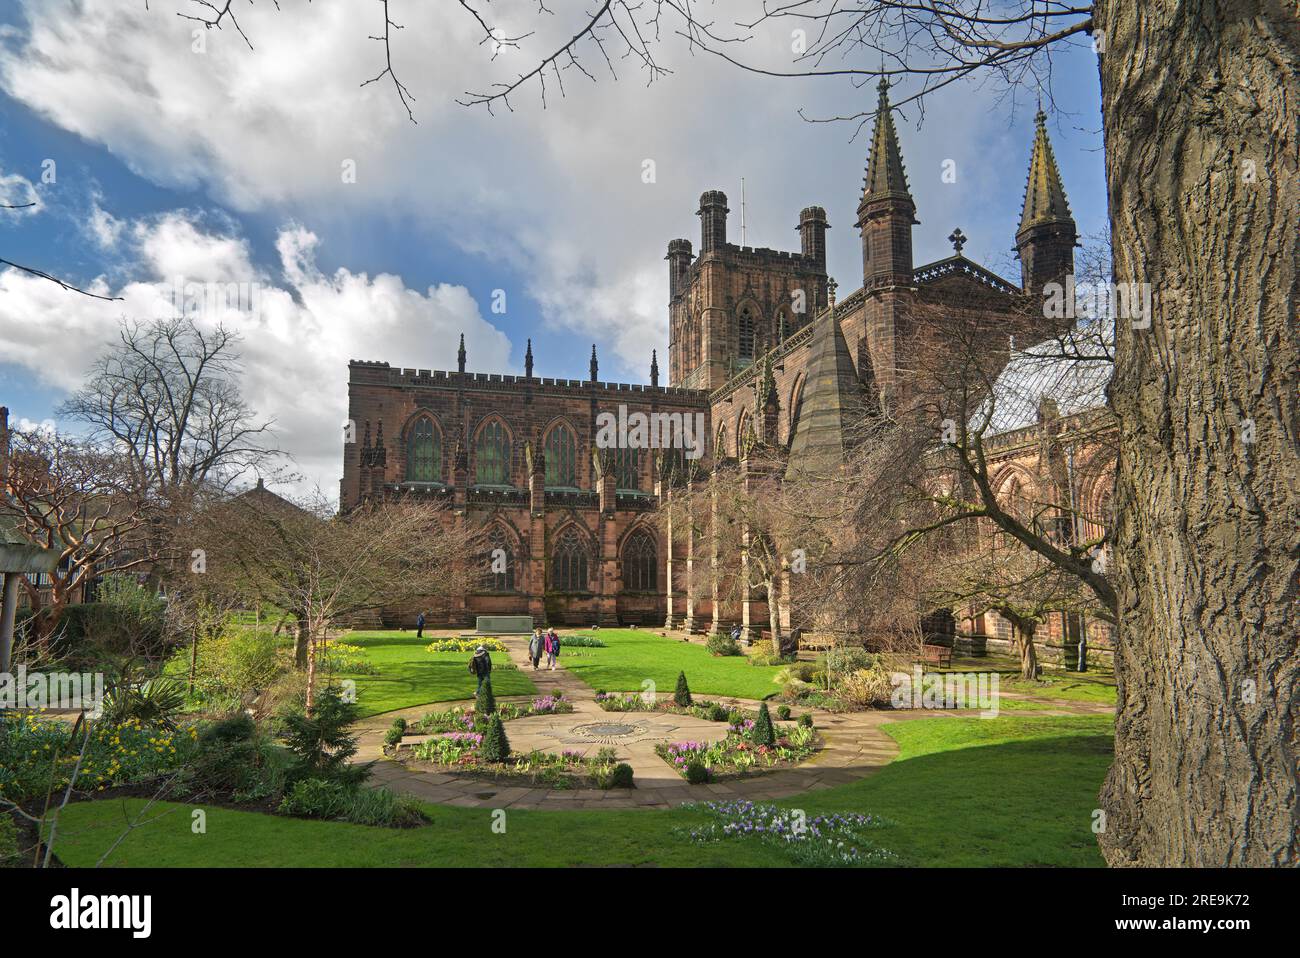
(535, 646)
(552, 649)
(481, 666)
(419, 626)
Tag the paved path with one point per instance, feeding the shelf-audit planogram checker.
(855, 746)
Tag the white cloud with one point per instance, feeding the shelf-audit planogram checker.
(104, 228)
(299, 332)
(556, 194)
(45, 426)
(18, 196)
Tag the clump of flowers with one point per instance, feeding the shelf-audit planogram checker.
(465, 645)
(549, 705)
(32, 749)
(822, 840)
(739, 751)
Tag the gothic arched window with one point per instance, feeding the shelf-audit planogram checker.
(423, 452)
(720, 444)
(746, 333)
(561, 458)
(640, 563)
(627, 469)
(569, 563)
(492, 455)
(500, 576)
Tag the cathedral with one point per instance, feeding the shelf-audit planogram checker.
(517, 457)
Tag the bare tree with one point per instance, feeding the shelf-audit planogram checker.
(66, 494)
(321, 568)
(166, 397)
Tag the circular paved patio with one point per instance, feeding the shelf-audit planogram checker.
(854, 746)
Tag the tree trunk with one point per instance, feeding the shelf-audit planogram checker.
(311, 675)
(302, 646)
(194, 656)
(1024, 636)
(1199, 104)
(774, 611)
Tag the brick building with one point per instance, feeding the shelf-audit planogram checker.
(517, 455)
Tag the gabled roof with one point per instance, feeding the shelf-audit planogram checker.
(960, 265)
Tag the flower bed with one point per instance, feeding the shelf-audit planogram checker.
(580, 642)
(466, 719)
(638, 702)
(738, 754)
(825, 840)
(461, 752)
(465, 645)
(122, 754)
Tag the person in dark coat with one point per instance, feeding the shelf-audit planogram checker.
(552, 647)
(535, 647)
(481, 666)
(419, 626)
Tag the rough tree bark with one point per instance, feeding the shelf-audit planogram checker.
(1199, 101)
(1024, 636)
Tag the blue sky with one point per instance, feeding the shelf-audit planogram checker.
(229, 162)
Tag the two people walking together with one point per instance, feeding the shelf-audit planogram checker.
(544, 643)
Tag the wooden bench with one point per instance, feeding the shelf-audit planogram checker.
(939, 655)
(816, 640)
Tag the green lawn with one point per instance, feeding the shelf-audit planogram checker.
(1096, 686)
(633, 655)
(963, 792)
(971, 792)
(408, 675)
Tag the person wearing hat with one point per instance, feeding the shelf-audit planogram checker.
(481, 666)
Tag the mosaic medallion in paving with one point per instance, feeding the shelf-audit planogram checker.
(611, 733)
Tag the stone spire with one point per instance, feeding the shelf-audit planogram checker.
(886, 212)
(1046, 238)
(654, 367)
(886, 175)
(528, 360)
(460, 355)
(1044, 195)
(594, 367)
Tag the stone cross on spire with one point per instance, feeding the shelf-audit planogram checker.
(958, 239)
